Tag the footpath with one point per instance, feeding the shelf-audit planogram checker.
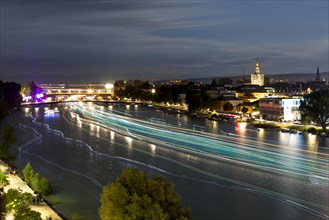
(16, 182)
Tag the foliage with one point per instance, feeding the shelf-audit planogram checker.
(311, 130)
(244, 110)
(134, 195)
(16, 199)
(2, 205)
(3, 181)
(35, 90)
(26, 89)
(7, 136)
(25, 213)
(10, 97)
(228, 107)
(221, 81)
(315, 107)
(199, 100)
(20, 202)
(38, 183)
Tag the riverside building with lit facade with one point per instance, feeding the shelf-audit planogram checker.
(284, 109)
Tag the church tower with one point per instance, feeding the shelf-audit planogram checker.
(317, 78)
(257, 78)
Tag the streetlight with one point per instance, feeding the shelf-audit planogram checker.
(109, 86)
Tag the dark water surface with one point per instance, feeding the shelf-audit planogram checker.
(274, 175)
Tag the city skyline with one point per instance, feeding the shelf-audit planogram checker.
(81, 41)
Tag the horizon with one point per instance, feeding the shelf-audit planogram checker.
(79, 41)
(324, 76)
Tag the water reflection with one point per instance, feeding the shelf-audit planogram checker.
(79, 123)
(92, 128)
(129, 141)
(112, 135)
(153, 148)
(97, 131)
(240, 128)
(26, 110)
(312, 142)
(261, 133)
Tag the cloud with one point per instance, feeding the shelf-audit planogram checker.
(160, 38)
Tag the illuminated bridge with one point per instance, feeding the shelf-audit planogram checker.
(78, 89)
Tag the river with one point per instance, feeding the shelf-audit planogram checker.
(222, 170)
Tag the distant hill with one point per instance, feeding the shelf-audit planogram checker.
(291, 77)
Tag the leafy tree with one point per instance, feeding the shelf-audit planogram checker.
(221, 81)
(244, 110)
(228, 107)
(315, 106)
(28, 172)
(26, 89)
(3, 181)
(10, 97)
(2, 101)
(25, 213)
(134, 195)
(7, 136)
(20, 202)
(16, 199)
(39, 183)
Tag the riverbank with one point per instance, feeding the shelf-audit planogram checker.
(290, 128)
(15, 182)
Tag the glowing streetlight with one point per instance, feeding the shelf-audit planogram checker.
(109, 86)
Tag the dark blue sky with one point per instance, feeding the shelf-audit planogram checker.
(96, 41)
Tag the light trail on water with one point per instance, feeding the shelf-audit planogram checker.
(216, 147)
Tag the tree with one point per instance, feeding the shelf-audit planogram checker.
(39, 183)
(28, 172)
(26, 89)
(3, 181)
(315, 106)
(244, 110)
(221, 81)
(7, 136)
(10, 97)
(134, 195)
(228, 107)
(20, 202)
(25, 213)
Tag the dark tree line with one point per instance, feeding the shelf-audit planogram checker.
(10, 97)
(315, 107)
(134, 195)
(196, 98)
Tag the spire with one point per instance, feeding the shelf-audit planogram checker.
(317, 78)
(257, 67)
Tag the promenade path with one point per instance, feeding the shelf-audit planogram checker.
(16, 182)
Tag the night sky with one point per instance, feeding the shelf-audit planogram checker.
(98, 41)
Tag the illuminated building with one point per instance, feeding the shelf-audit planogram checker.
(275, 108)
(257, 78)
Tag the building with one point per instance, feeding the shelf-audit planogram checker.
(317, 77)
(252, 93)
(257, 78)
(228, 97)
(283, 109)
